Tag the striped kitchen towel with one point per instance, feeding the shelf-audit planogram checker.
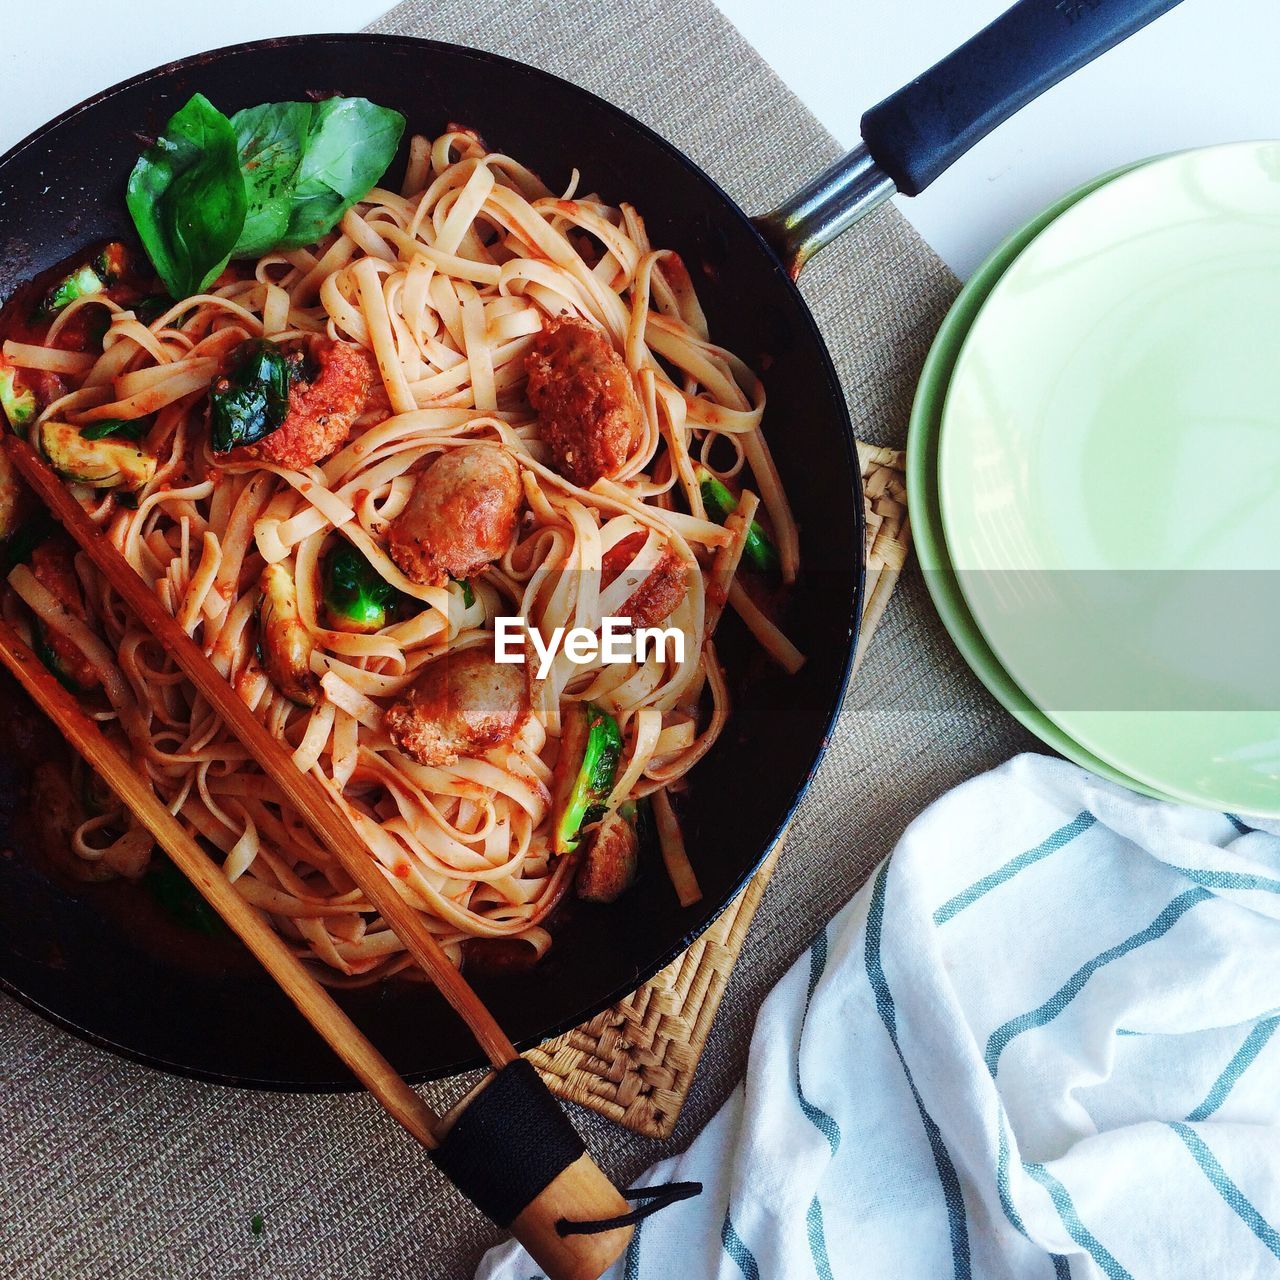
(1038, 1043)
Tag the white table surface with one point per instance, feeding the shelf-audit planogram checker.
(1203, 73)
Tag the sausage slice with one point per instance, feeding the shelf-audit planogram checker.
(321, 413)
(662, 590)
(588, 414)
(462, 704)
(461, 517)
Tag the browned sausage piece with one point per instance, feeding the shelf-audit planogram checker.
(461, 704)
(609, 863)
(658, 596)
(321, 413)
(588, 414)
(461, 517)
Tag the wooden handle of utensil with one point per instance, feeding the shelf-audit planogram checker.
(581, 1193)
(511, 1150)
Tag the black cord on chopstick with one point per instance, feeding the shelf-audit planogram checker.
(656, 1198)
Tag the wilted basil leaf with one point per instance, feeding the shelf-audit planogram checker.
(152, 307)
(251, 401)
(187, 198)
(25, 539)
(350, 143)
(180, 899)
(270, 139)
(128, 429)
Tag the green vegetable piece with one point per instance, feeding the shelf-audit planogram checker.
(152, 307)
(112, 263)
(79, 284)
(100, 464)
(305, 164)
(356, 597)
(468, 593)
(590, 747)
(127, 429)
(270, 140)
(180, 900)
(350, 143)
(721, 504)
(251, 401)
(256, 1224)
(26, 538)
(18, 403)
(187, 197)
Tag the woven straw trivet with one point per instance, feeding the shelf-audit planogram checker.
(634, 1063)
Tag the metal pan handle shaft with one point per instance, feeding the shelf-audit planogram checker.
(919, 132)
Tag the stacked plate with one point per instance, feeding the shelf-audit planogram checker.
(1094, 476)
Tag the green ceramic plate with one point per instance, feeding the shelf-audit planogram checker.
(922, 494)
(1109, 474)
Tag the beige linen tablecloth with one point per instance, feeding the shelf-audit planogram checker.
(111, 1170)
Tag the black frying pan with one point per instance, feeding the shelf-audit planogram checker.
(105, 961)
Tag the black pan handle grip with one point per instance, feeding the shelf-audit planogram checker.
(924, 128)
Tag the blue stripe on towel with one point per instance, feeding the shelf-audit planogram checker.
(1050, 844)
(824, 1123)
(821, 1120)
(738, 1251)
(951, 1192)
(1057, 1002)
(1071, 1220)
(1239, 1203)
(1228, 879)
(1244, 1055)
(818, 1240)
(1002, 1181)
(631, 1259)
(1061, 1267)
(1242, 827)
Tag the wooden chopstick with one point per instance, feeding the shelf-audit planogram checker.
(317, 805)
(291, 975)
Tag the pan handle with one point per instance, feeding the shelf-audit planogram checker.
(917, 133)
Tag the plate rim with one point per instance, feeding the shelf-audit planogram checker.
(1146, 778)
(923, 438)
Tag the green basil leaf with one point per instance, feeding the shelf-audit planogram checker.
(129, 429)
(252, 400)
(187, 198)
(44, 651)
(270, 140)
(28, 536)
(180, 899)
(468, 595)
(153, 306)
(350, 143)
